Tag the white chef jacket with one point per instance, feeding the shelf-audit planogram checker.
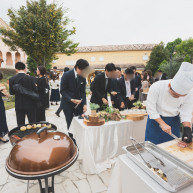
(128, 88)
(161, 102)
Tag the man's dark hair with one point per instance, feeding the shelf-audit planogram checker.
(118, 68)
(133, 68)
(42, 70)
(129, 71)
(20, 66)
(66, 69)
(97, 72)
(55, 67)
(159, 70)
(110, 67)
(1, 75)
(81, 64)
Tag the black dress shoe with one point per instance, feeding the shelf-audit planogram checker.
(57, 114)
(4, 141)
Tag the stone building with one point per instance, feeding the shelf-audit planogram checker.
(98, 56)
(8, 58)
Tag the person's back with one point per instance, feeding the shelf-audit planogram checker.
(24, 105)
(21, 101)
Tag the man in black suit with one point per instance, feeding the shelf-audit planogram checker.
(127, 89)
(73, 85)
(115, 99)
(161, 75)
(24, 105)
(137, 80)
(102, 85)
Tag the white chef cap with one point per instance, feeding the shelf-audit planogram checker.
(182, 82)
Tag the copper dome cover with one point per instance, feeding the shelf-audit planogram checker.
(33, 155)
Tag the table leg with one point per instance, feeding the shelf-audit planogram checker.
(46, 185)
(28, 186)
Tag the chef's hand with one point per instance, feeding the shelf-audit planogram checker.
(105, 101)
(76, 101)
(166, 128)
(84, 108)
(187, 135)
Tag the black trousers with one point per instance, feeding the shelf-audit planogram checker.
(20, 115)
(40, 114)
(70, 112)
(59, 109)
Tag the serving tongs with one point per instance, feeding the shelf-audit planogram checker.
(160, 161)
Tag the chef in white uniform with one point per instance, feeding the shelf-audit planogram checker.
(170, 103)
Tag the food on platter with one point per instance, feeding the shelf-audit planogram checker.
(160, 173)
(110, 113)
(29, 127)
(183, 144)
(49, 126)
(34, 126)
(44, 125)
(133, 111)
(39, 125)
(23, 128)
(138, 105)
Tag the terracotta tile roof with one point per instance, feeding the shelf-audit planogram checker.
(102, 66)
(116, 48)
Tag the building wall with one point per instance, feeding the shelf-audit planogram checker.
(117, 57)
(9, 57)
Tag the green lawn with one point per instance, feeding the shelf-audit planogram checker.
(9, 104)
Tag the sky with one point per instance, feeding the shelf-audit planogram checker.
(117, 22)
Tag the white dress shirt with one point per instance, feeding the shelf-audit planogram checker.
(75, 73)
(161, 102)
(128, 88)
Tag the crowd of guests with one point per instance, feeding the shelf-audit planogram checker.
(32, 94)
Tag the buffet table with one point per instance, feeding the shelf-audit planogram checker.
(127, 177)
(99, 145)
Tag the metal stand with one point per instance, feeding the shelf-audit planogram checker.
(47, 189)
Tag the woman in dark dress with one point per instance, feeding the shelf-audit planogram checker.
(41, 86)
(3, 121)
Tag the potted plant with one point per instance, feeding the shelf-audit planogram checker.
(93, 108)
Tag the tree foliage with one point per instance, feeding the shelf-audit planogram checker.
(165, 66)
(157, 56)
(185, 48)
(172, 45)
(41, 30)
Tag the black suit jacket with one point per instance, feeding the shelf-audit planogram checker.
(98, 89)
(70, 89)
(122, 89)
(164, 77)
(115, 87)
(23, 102)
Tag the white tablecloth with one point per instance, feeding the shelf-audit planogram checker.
(127, 177)
(98, 145)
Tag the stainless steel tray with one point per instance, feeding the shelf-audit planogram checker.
(179, 174)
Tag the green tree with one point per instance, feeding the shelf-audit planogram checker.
(172, 45)
(166, 68)
(185, 48)
(41, 30)
(157, 56)
(31, 64)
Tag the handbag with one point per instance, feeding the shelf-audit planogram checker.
(18, 88)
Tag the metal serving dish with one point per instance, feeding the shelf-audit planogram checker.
(179, 174)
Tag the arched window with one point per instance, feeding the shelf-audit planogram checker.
(17, 57)
(9, 61)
